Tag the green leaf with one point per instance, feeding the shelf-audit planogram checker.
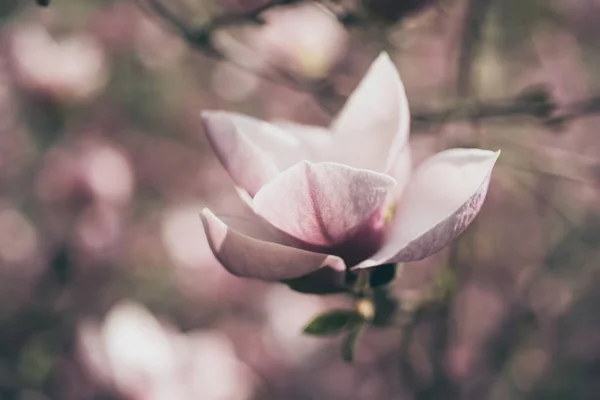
(349, 343)
(332, 322)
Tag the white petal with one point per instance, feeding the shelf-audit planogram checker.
(247, 164)
(372, 128)
(318, 141)
(441, 200)
(247, 257)
(256, 227)
(401, 171)
(323, 203)
(283, 147)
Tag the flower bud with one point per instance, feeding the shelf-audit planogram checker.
(366, 309)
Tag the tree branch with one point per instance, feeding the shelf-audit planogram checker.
(200, 38)
(534, 104)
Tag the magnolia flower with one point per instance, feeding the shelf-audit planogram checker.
(328, 201)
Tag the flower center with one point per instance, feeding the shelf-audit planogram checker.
(366, 239)
(389, 213)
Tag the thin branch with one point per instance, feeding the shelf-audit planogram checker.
(535, 170)
(201, 40)
(538, 106)
(536, 103)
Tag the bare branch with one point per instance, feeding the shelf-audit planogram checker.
(200, 40)
(534, 104)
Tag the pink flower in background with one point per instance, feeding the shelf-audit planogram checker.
(305, 38)
(142, 359)
(73, 69)
(325, 201)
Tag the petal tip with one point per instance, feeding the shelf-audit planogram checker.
(214, 119)
(494, 156)
(208, 114)
(208, 119)
(214, 229)
(384, 62)
(383, 56)
(205, 212)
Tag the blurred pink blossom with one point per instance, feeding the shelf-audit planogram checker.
(326, 200)
(86, 188)
(19, 240)
(145, 360)
(282, 331)
(155, 47)
(72, 69)
(96, 170)
(306, 39)
(232, 83)
(197, 273)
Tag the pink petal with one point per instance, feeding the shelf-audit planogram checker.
(322, 204)
(248, 165)
(257, 228)
(252, 151)
(283, 147)
(247, 257)
(317, 141)
(372, 128)
(441, 200)
(323, 281)
(401, 171)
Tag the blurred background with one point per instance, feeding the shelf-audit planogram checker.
(108, 290)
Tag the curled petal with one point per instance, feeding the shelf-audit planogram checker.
(247, 164)
(372, 129)
(322, 204)
(255, 228)
(247, 257)
(441, 200)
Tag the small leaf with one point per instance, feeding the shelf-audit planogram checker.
(349, 343)
(332, 322)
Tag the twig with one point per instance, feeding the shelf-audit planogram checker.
(201, 40)
(536, 103)
(542, 108)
